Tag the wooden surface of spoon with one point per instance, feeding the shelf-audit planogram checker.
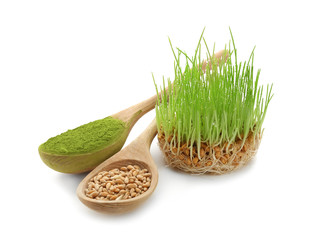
(136, 153)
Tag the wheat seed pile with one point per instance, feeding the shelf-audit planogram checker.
(119, 183)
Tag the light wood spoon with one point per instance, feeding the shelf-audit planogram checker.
(78, 163)
(136, 153)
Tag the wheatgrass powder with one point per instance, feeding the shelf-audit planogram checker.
(86, 138)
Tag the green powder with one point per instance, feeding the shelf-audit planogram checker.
(87, 138)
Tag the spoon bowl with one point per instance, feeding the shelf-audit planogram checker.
(136, 153)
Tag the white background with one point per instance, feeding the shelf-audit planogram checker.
(66, 63)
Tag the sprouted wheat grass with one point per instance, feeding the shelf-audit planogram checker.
(211, 121)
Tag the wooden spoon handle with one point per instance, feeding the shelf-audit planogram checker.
(146, 137)
(135, 112)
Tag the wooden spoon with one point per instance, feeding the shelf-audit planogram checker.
(136, 153)
(78, 163)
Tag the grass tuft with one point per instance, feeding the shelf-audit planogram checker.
(215, 106)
